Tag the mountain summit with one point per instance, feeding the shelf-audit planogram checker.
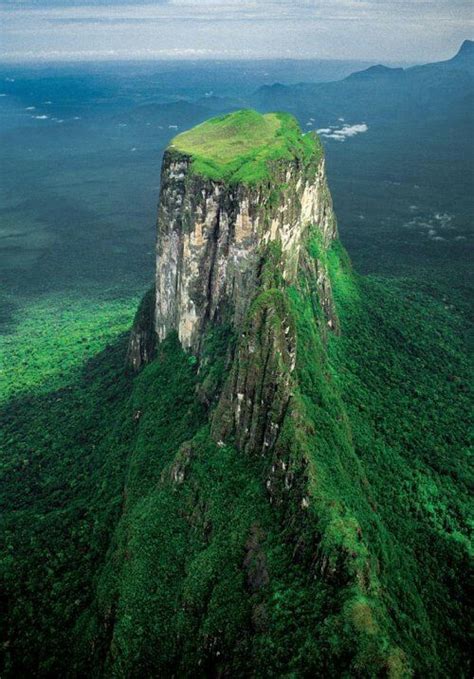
(466, 49)
(378, 71)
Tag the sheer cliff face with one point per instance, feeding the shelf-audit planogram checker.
(211, 238)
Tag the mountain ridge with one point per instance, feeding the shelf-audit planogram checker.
(464, 57)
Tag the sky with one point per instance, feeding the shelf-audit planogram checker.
(372, 30)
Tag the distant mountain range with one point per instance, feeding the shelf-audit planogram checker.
(380, 92)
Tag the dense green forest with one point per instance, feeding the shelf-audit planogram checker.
(134, 542)
(107, 553)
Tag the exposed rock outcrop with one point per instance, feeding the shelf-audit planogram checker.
(141, 346)
(256, 394)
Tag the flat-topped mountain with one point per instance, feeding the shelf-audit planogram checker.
(230, 188)
(253, 284)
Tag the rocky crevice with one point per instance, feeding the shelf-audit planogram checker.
(142, 343)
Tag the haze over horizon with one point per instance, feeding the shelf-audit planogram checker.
(370, 30)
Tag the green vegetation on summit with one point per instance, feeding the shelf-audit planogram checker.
(240, 146)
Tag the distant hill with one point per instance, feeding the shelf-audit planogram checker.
(463, 59)
(380, 93)
(216, 103)
(378, 71)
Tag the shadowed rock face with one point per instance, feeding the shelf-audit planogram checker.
(141, 346)
(255, 397)
(211, 237)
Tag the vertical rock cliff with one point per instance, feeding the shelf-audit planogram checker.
(212, 235)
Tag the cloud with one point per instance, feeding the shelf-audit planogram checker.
(444, 220)
(344, 132)
(381, 30)
(352, 130)
(430, 224)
